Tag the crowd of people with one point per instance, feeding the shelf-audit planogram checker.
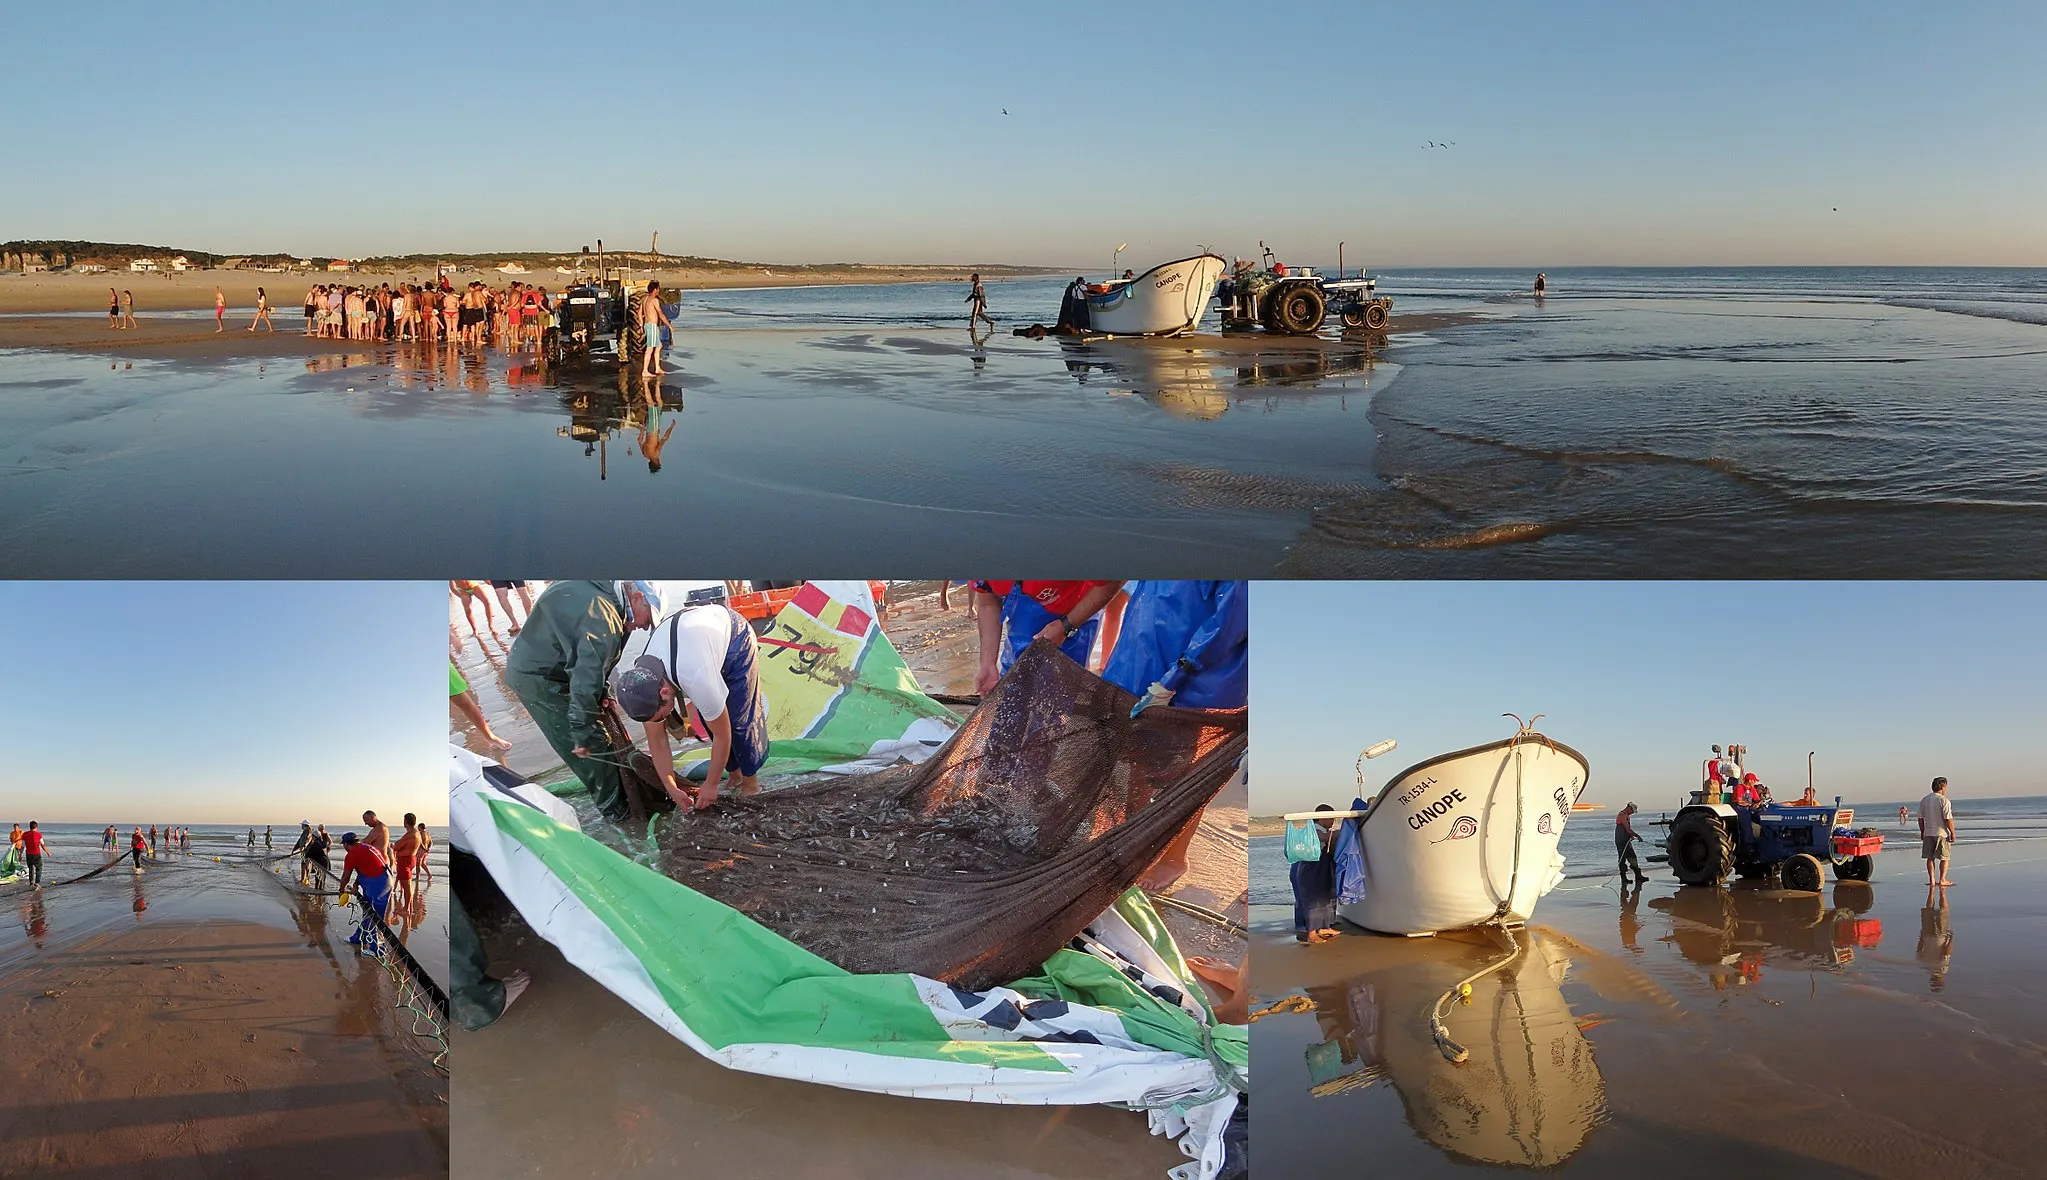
(471, 315)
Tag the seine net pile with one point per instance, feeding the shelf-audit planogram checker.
(977, 865)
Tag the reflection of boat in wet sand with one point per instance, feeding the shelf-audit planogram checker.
(1168, 298)
(1531, 1091)
(1468, 838)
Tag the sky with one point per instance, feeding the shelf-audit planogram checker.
(1889, 684)
(1853, 132)
(222, 702)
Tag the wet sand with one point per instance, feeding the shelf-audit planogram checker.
(1862, 1032)
(197, 1020)
(643, 1102)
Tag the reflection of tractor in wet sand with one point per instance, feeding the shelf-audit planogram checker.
(1293, 301)
(1743, 928)
(1720, 832)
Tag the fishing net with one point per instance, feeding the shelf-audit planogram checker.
(978, 864)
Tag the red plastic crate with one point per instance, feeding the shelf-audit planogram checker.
(1857, 845)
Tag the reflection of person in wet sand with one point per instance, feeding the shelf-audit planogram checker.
(1936, 940)
(1314, 884)
(653, 436)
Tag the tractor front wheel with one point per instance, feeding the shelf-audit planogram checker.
(1802, 873)
(1701, 848)
(1354, 315)
(1855, 868)
(1299, 309)
(1375, 316)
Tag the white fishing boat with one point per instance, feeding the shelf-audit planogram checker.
(1167, 299)
(1467, 839)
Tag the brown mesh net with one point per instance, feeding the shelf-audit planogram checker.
(976, 866)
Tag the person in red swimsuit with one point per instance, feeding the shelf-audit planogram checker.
(404, 857)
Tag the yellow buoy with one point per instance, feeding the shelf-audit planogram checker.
(1464, 991)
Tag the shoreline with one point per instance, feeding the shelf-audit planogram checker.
(193, 290)
(188, 337)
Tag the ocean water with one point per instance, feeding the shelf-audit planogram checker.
(1587, 842)
(242, 884)
(1654, 423)
(1708, 423)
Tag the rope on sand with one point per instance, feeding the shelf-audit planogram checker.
(418, 994)
(1455, 1052)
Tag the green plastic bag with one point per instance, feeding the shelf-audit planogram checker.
(1303, 842)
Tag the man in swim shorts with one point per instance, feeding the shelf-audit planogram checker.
(405, 858)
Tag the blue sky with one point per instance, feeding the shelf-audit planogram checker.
(1585, 133)
(1890, 683)
(222, 702)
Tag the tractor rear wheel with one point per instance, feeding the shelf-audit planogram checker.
(1802, 873)
(1375, 316)
(1855, 868)
(1701, 848)
(1299, 309)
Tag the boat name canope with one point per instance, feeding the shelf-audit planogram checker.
(1436, 810)
(1418, 790)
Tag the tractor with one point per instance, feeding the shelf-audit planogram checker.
(598, 317)
(1711, 837)
(1293, 301)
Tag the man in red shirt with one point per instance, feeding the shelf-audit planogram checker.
(367, 866)
(32, 845)
(1010, 615)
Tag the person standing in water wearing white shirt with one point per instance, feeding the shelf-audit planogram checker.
(1936, 831)
(708, 655)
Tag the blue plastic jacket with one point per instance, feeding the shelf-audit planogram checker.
(1350, 859)
(1207, 623)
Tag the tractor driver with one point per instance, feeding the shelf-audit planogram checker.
(1749, 794)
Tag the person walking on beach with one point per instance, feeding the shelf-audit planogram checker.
(262, 312)
(315, 857)
(470, 593)
(652, 319)
(33, 846)
(1624, 839)
(1541, 282)
(135, 847)
(219, 311)
(114, 309)
(266, 839)
(1936, 832)
(14, 841)
(978, 297)
(128, 319)
(504, 591)
(107, 839)
(305, 834)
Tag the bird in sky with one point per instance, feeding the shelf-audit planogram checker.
(1005, 110)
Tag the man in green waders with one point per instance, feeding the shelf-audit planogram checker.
(559, 667)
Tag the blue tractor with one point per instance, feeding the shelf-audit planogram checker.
(1711, 837)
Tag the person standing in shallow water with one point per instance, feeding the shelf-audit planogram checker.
(1624, 838)
(652, 318)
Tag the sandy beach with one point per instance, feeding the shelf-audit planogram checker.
(645, 1101)
(1867, 1031)
(203, 1019)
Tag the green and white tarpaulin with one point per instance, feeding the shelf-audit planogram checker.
(840, 699)
(1122, 1022)
(11, 868)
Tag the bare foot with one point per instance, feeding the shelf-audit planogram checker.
(516, 986)
(1947, 882)
(1161, 876)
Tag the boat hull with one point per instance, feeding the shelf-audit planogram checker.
(1164, 300)
(1468, 838)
